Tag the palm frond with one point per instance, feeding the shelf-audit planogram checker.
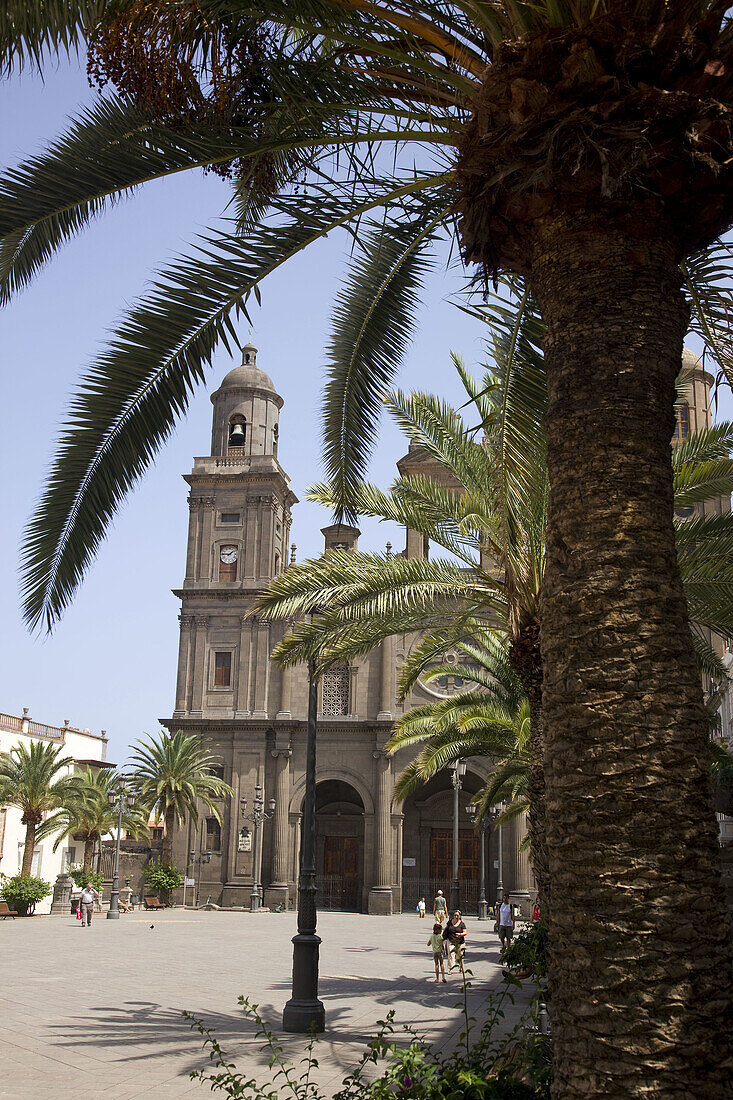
(32, 31)
(373, 320)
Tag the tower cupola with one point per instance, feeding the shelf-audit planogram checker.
(246, 411)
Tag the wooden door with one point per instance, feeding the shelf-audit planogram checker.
(441, 856)
(341, 867)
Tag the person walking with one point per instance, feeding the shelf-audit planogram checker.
(436, 942)
(505, 922)
(454, 935)
(421, 908)
(86, 902)
(440, 908)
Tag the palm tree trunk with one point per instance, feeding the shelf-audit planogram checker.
(166, 855)
(29, 848)
(88, 854)
(525, 658)
(640, 942)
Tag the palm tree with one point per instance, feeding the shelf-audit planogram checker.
(88, 815)
(583, 147)
(30, 780)
(491, 518)
(170, 775)
(492, 719)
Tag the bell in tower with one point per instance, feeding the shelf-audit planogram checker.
(246, 411)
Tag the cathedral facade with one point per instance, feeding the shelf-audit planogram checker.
(373, 854)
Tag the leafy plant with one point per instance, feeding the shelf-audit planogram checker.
(528, 950)
(82, 877)
(488, 1069)
(22, 892)
(161, 876)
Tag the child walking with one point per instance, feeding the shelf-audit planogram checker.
(436, 942)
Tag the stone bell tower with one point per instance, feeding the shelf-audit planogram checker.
(238, 534)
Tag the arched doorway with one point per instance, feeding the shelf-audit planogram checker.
(428, 843)
(339, 846)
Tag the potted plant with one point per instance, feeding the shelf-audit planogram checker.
(22, 892)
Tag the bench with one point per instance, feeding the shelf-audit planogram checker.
(153, 903)
(6, 912)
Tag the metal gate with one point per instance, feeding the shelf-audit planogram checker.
(336, 892)
(415, 888)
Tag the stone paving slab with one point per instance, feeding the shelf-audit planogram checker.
(89, 1009)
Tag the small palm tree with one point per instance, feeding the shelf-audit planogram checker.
(492, 720)
(30, 779)
(170, 774)
(88, 815)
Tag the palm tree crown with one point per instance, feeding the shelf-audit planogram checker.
(30, 780)
(170, 775)
(88, 814)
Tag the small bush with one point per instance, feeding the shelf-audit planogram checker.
(481, 1068)
(81, 878)
(22, 892)
(162, 878)
(528, 950)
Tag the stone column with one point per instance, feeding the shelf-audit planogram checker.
(204, 564)
(277, 892)
(386, 690)
(199, 666)
(286, 682)
(262, 668)
(184, 664)
(62, 888)
(194, 527)
(252, 535)
(380, 895)
(523, 883)
(241, 698)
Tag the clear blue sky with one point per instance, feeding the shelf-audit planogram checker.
(111, 662)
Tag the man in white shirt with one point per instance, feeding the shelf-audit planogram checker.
(86, 901)
(505, 922)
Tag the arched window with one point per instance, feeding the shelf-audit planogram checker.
(682, 423)
(237, 435)
(335, 691)
(275, 437)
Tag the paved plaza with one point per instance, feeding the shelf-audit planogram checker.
(88, 1010)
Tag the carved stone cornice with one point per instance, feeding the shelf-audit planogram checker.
(186, 621)
(281, 752)
(202, 621)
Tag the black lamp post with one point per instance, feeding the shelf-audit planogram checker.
(203, 857)
(458, 770)
(118, 797)
(258, 816)
(304, 1011)
(484, 826)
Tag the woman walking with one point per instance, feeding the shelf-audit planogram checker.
(455, 936)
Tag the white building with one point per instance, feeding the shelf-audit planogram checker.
(84, 748)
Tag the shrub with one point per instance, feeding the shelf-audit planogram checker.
(528, 950)
(81, 878)
(160, 877)
(484, 1068)
(22, 892)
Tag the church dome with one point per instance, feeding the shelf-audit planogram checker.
(248, 375)
(690, 361)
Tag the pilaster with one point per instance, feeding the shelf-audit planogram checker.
(386, 691)
(199, 666)
(184, 665)
(241, 697)
(380, 896)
